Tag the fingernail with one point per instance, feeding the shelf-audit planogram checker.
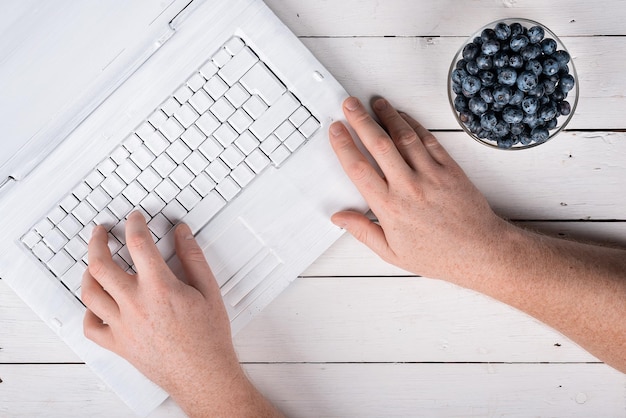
(336, 128)
(340, 224)
(352, 103)
(380, 104)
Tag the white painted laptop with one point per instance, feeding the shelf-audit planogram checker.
(170, 108)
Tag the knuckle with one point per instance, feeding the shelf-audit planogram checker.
(97, 267)
(137, 240)
(406, 137)
(359, 170)
(381, 145)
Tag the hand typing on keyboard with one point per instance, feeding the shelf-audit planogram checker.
(174, 330)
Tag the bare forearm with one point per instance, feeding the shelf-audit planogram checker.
(576, 288)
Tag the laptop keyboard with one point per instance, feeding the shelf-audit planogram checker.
(207, 141)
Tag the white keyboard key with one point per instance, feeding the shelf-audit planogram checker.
(152, 204)
(76, 248)
(196, 162)
(299, 116)
(70, 226)
(216, 87)
(55, 240)
(124, 254)
(284, 130)
(234, 45)
(309, 127)
(172, 129)
(31, 238)
(81, 191)
(203, 184)
(260, 80)
(208, 123)
(94, 179)
(181, 176)
(106, 167)
(195, 82)
(178, 151)
(69, 202)
(60, 263)
(242, 175)
(119, 231)
(132, 143)
(157, 118)
(186, 115)
(188, 197)
(201, 101)
(257, 161)
(120, 207)
(44, 226)
(222, 109)
(42, 251)
(204, 211)
(193, 137)
(174, 211)
(275, 115)
(113, 185)
(84, 212)
(119, 155)
(127, 171)
(211, 148)
(247, 142)
(159, 225)
(85, 233)
(228, 188)
(279, 155)
(142, 157)
(73, 277)
(163, 165)
(99, 199)
(240, 120)
(106, 219)
(170, 106)
(167, 190)
(149, 179)
(270, 144)
(135, 193)
(208, 70)
(225, 134)
(237, 95)
(144, 130)
(157, 143)
(232, 156)
(120, 262)
(294, 141)
(183, 94)
(221, 57)
(255, 107)
(114, 244)
(218, 170)
(238, 66)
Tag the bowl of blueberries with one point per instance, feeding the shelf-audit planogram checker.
(512, 85)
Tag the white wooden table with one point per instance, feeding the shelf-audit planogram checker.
(357, 337)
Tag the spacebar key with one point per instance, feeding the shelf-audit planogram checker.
(202, 213)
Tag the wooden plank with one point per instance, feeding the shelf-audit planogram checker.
(412, 73)
(446, 17)
(363, 390)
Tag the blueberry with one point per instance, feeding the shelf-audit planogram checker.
(501, 95)
(487, 78)
(526, 81)
(484, 62)
(502, 31)
(471, 85)
(518, 42)
(487, 34)
(550, 66)
(506, 143)
(558, 95)
(530, 105)
(488, 120)
(459, 75)
(534, 66)
(562, 57)
(507, 76)
(516, 61)
(539, 134)
(566, 83)
(512, 114)
(517, 128)
(544, 99)
(486, 95)
(516, 29)
(547, 112)
(500, 59)
(525, 139)
(548, 86)
(490, 47)
(474, 126)
(471, 67)
(465, 116)
(516, 98)
(460, 103)
(530, 52)
(535, 34)
(551, 124)
(501, 129)
(548, 46)
(470, 51)
(456, 88)
(564, 108)
(460, 64)
(478, 40)
(537, 91)
(477, 106)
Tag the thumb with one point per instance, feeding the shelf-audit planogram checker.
(364, 230)
(196, 269)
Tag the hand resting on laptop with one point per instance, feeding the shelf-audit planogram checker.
(431, 220)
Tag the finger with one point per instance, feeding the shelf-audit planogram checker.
(364, 230)
(97, 331)
(143, 251)
(195, 266)
(101, 266)
(431, 144)
(375, 139)
(357, 167)
(97, 299)
(404, 136)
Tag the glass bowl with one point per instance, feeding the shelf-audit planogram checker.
(534, 131)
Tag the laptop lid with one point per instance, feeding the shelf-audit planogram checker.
(59, 60)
